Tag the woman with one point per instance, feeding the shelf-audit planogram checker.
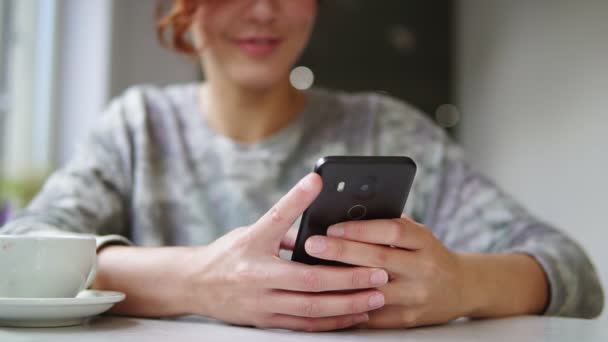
(197, 166)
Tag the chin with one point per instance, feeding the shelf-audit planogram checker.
(258, 79)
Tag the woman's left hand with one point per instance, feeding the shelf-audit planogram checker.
(426, 281)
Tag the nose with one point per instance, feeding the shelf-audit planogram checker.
(264, 10)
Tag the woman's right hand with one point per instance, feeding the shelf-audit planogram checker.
(240, 279)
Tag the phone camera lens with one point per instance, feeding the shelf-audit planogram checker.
(365, 188)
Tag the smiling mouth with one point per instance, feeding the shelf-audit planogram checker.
(258, 46)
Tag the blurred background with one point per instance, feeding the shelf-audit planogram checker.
(523, 85)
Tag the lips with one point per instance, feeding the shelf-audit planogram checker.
(258, 46)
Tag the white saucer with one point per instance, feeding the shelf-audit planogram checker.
(56, 312)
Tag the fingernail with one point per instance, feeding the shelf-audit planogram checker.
(379, 277)
(361, 318)
(306, 183)
(315, 245)
(335, 230)
(376, 301)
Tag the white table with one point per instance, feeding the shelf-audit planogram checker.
(118, 329)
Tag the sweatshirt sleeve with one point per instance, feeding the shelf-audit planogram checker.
(90, 195)
(469, 213)
(472, 214)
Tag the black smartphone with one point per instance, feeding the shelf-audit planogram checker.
(354, 188)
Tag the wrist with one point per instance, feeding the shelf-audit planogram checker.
(194, 281)
(101, 277)
(474, 293)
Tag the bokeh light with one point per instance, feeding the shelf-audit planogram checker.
(402, 39)
(447, 115)
(302, 78)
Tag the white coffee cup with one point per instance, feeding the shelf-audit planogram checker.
(46, 266)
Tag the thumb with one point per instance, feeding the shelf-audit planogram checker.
(277, 221)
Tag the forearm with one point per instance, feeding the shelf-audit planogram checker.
(504, 284)
(154, 279)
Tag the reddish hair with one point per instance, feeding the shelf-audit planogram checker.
(176, 22)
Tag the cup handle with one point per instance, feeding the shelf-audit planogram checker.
(91, 276)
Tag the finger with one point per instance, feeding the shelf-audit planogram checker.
(277, 221)
(404, 292)
(324, 305)
(313, 324)
(390, 316)
(289, 240)
(403, 233)
(399, 316)
(288, 275)
(359, 253)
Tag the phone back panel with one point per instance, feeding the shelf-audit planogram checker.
(355, 188)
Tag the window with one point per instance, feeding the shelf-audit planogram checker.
(27, 44)
(4, 38)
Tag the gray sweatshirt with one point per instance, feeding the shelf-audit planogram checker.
(153, 173)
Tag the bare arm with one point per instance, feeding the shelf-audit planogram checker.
(154, 279)
(504, 284)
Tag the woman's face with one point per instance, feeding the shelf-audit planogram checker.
(253, 43)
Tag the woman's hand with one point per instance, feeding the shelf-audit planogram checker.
(427, 281)
(240, 279)
(428, 284)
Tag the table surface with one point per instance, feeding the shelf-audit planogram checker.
(117, 329)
